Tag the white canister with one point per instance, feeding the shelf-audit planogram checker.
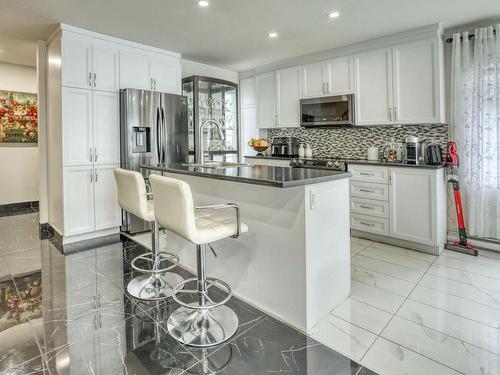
(373, 153)
(308, 151)
(301, 151)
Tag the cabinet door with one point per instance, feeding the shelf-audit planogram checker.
(106, 119)
(339, 76)
(266, 100)
(78, 200)
(107, 210)
(288, 97)
(313, 80)
(106, 67)
(76, 61)
(373, 76)
(413, 205)
(416, 89)
(77, 126)
(248, 129)
(167, 75)
(247, 92)
(134, 71)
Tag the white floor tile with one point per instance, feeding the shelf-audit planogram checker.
(376, 297)
(390, 269)
(447, 350)
(460, 328)
(344, 337)
(395, 258)
(359, 244)
(474, 279)
(486, 258)
(466, 264)
(462, 290)
(456, 305)
(382, 281)
(362, 315)
(403, 251)
(388, 358)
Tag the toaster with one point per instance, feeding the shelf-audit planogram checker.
(434, 154)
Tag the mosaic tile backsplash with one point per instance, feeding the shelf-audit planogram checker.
(352, 143)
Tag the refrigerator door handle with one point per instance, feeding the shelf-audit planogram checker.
(158, 135)
(164, 140)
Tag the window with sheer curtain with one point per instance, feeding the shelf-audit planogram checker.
(475, 118)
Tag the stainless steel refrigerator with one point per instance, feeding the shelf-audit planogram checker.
(153, 130)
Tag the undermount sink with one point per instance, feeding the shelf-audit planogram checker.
(217, 165)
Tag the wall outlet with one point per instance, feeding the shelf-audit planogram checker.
(314, 200)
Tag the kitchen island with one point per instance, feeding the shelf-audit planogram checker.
(294, 262)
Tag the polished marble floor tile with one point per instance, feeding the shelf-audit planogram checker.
(376, 297)
(343, 336)
(491, 270)
(397, 258)
(442, 348)
(359, 244)
(382, 281)
(390, 269)
(362, 315)
(388, 358)
(403, 251)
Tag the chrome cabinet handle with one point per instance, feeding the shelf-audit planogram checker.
(95, 79)
(390, 113)
(328, 87)
(367, 224)
(151, 79)
(395, 110)
(90, 79)
(95, 153)
(90, 152)
(155, 83)
(367, 191)
(96, 175)
(366, 174)
(91, 175)
(367, 207)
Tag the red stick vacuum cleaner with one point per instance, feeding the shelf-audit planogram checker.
(451, 162)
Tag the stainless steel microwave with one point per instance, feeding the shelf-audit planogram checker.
(327, 111)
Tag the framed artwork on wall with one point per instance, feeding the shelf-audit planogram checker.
(18, 117)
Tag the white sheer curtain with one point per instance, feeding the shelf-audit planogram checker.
(475, 100)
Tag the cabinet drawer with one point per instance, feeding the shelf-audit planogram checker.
(370, 207)
(367, 190)
(370, 224)
(367, 173)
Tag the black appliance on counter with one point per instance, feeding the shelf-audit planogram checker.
(434, 154)
(285, 147)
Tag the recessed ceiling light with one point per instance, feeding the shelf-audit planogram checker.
(203, 3)
(333, 14)
(273, 34)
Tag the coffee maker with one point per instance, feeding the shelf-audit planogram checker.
(285, 147)
(415, 150)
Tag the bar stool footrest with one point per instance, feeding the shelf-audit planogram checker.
(163, 256)
(208, 303)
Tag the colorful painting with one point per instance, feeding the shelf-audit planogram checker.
(18, 117)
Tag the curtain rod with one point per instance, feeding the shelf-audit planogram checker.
(450, 40)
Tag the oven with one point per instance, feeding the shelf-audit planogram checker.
(327, 111)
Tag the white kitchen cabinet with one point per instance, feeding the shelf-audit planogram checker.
(288, 97)
(248, 123)
(134, 70)
(106, 60)
(89, 63)
(78, 199)
(266, 100)
(413, 205)
(373, 99)
(77, 132)
(248, 93)
(77, 57)
(339, 76)
(313, 80)
(107, 209)
(166, 75)
(416, 91)
(106, 127)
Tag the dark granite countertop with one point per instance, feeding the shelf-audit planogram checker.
(360, 161)
(281, 177)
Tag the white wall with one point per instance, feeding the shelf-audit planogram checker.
(18, 165)
(190, 68)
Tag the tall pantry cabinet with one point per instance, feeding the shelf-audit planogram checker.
(83, 126)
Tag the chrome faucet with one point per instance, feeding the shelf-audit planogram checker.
(202, 127)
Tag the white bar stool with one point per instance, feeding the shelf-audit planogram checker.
(156, 283)
(201, 323)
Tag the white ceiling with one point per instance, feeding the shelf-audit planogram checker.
(230, 33)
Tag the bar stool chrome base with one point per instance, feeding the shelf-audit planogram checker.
(202, 327)
(153, 287)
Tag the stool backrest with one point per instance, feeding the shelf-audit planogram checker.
(174, 206)
(132, 192)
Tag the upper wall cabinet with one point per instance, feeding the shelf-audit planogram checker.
(400, 85)
(89, 63)
(266, 100)
(288, 97)
(333, 77)
(248, 93)
(141, 70)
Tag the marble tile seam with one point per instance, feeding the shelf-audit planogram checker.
(383, 273)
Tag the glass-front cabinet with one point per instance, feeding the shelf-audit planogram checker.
(212, 119)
